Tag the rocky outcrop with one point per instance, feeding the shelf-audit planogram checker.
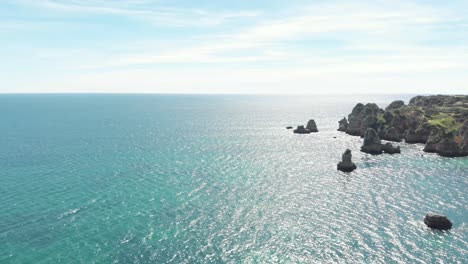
(372, 144)
(454, 144)
(289, 127)
(346, 164)
(435, 221)
(391, 134)
(368, 122)
(390, 149)
(412, 137)
(419, 135)
(433, 140)
(354, 119)
(438, 121)
(301, 130)
(363, 117)
(311, 126)
(395, 105)
(343, 125)
(354, 126)
(438, 100)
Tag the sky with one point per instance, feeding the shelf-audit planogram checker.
(227, 46)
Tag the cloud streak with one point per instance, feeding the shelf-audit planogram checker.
(360, 29)
(359, 44)
(142, 10)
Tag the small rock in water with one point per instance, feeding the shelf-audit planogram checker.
(311, 126)
(435, 221)
(390, 149)
(346, 164)
(301, 130)
(343, 125)
(289, 127)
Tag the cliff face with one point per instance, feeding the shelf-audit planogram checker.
(363, 117)
(440, 122)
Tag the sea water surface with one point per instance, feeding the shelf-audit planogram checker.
(215, 179)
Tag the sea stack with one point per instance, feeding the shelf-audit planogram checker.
(311, 126)
(343, 125)
(371, 143)
(346, 164)
(435, 221)
(301, 130)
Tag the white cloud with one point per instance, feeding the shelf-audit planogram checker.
(360, 28)
(142, 10)
(383, 46)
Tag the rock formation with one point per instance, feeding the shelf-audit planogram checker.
(343, 125)
(390, 149)
(354, 119)
(391, 134)
(455, 144)
(301, 130)
(436, 221)
(395, 105)
(289, 127)
(361, 118)
(346, 164)
(438, 121)
(311, 126)
(419, 135)
(371, 143)
(434, 139)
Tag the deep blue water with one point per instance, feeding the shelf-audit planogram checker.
(214, 179)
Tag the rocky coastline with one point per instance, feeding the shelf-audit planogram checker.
(438, 121)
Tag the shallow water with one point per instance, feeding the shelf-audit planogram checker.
(214, 179)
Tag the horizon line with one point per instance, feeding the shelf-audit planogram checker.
(163, 93)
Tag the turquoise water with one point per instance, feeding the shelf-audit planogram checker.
(214, 179)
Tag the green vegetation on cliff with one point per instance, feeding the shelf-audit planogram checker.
(439, 121)
(446, 121)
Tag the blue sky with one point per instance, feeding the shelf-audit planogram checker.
(159, 46)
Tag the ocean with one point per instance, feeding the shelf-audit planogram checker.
(95, 178)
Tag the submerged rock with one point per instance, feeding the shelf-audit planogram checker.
(371, 143)
(311, 126)
(301, 130)
(436, 221)
(346, 164)
(343, 125)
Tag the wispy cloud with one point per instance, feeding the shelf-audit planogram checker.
(371, 28)
(360, 44)
(145, 10)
